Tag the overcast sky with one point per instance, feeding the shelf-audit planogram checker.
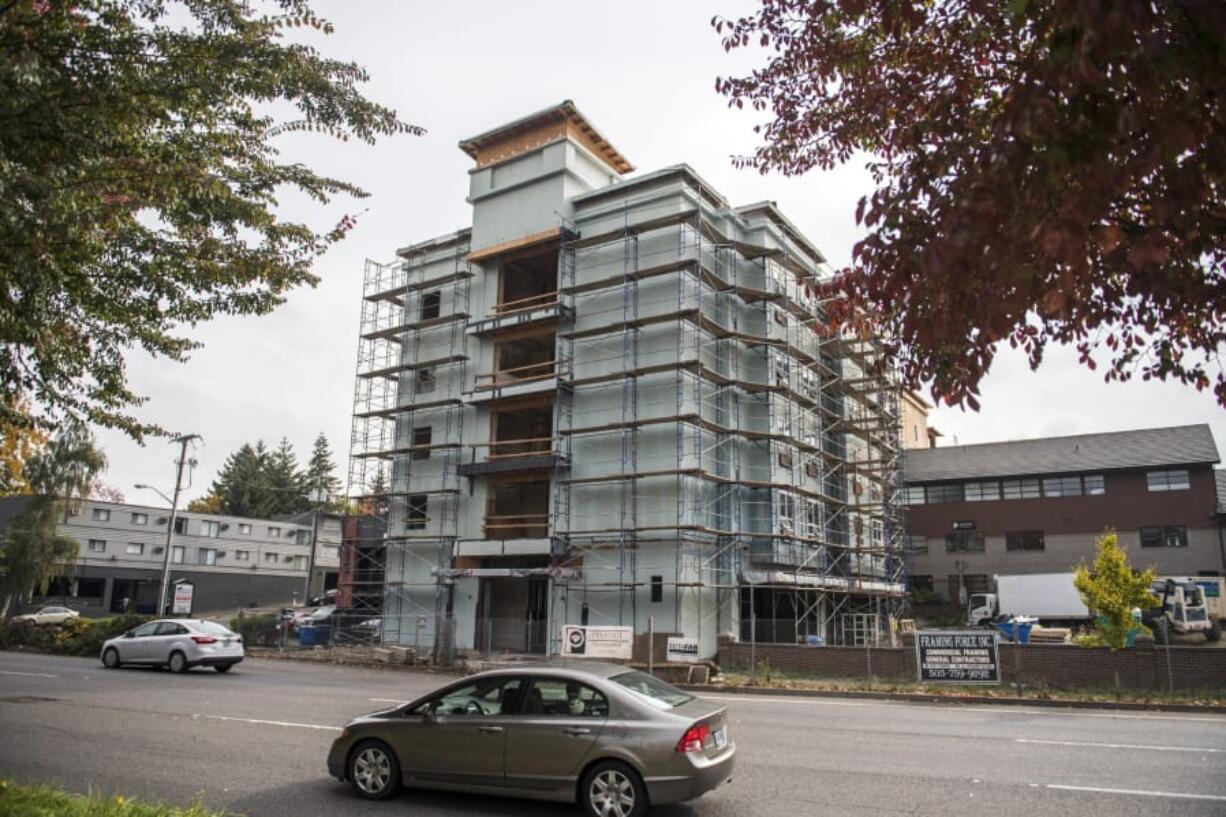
(643, 73)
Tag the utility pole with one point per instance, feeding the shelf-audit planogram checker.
(170, 528)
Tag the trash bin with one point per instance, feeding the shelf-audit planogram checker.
(308, 636)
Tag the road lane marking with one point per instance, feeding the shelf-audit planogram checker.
(28, 674)
(796, 700)
(386, 701)
(260, 722)
(1121, 746)
(1140, 792)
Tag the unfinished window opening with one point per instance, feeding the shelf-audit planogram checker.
(528, 282)
(518, 510)
(526, 432)
(421, 442)
(431, 304)
(415, 515)
(525, 359)
(657, 588)
(423, 381)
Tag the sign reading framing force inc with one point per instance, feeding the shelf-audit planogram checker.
(598, 642)
(957, 657)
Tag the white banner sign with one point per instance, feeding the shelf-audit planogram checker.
(598, 642)
(682, 650)
(183, 598)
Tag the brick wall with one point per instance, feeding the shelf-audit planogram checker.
(1054, 666)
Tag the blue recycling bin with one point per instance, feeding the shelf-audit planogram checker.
(1016, 631)
(314, 635)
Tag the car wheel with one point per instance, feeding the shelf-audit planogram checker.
(177, 662)
(110, 658)
(224, 667)
(613, 789)
(373, 771)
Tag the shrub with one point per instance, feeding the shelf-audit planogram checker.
(258, 630)
(78, 636)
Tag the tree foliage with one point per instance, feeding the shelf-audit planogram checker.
(139, 180)
(258, 483)
(1047, 172)
(20, 440)
(1111, 589)
(320, 480)
(32, 552)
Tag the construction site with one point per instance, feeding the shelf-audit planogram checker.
(613, 400)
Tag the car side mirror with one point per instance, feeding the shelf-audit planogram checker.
(430, 712)
(128, 634)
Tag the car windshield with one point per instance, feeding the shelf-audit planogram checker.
(212, 627)
(652, 690)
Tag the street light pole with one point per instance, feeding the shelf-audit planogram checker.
(170, 528)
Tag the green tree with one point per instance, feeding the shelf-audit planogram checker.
(285, 480)
(377, 493)
(1046, 172)
(1111, 589)
(209, 503)
(32, 552)
(242, 483)
(139, 179)
(20, 441)
(320, 478)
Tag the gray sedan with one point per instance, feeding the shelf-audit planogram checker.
(611, 738)
(178, 644)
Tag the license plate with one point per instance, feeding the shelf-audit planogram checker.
(721, 738)
(225, 642)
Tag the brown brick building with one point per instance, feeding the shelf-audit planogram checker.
(1037, 506)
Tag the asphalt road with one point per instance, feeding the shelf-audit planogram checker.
(254, 742)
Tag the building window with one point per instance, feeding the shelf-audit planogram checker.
(430, 304)
(421, 442)
(274, 533)
(1094, 484)
(1024, 540)
(97, 546)
(244, 527)
(300, 563)
(270, 558)
(416, 517)
(206, 556)
(176, 554)
(657, 588)
(976, 583)
(135, 549)
(913, 495)
(1171, 536)
(100, 515)
(140, 519)
(1020, 489)
(424, 380)
(1062, 486)
(948, 492)
(180, 524)
(242, 555)
(922, 583)
(210, 528)
(1175, 480)
(964, 541)
(982, 491)
(916, 544)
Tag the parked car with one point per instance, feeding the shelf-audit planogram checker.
(178, 644)
(540, 732)
(47, 615)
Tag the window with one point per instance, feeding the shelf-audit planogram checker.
(270, 558)
(424, 380)
(657, 588)
(964, 542)
(170, 628)
(564, 699)
(421, 442)
(140, 519)
(301, 563)
(146, 630)
(176, 554)
(982, 491)
(430, 303)
(1020, 489)
(913, 495)
(180, 524)
(1094, 484)
(244, 527)
(811, 468)
(1062, 486)
(242, 555)
(416, 516)
(135, 549)
(1176, 480)
(916, 544)
(274, 533)
(100, 515)
(1171, 536)
(210, 528)
(652, 690)
(949, 492)
(976, 582)
(97, 546)
(484, 697)
(206, 556)
(1024, 540)
(923, 583)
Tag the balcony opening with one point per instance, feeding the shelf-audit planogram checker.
(518, 510)
(521, 361)
(528, 282)
(526, 432)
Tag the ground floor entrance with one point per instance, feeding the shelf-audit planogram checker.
(513, 610)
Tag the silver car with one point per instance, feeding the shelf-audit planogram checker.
(178, 644)
(613, 739)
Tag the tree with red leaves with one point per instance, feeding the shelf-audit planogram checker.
(1046, 172)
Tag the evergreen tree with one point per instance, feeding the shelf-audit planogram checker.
(322, 486)
(242, 483)
(285, 481)
(377, 490)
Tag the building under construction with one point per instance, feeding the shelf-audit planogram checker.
(612, 401)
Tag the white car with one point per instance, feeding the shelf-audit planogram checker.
(178, 644)
(47, 615)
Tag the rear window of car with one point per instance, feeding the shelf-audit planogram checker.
(212, 627)
(652, 690)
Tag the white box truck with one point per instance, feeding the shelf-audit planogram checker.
(1050, 597)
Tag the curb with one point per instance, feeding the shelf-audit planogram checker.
(920, 697)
